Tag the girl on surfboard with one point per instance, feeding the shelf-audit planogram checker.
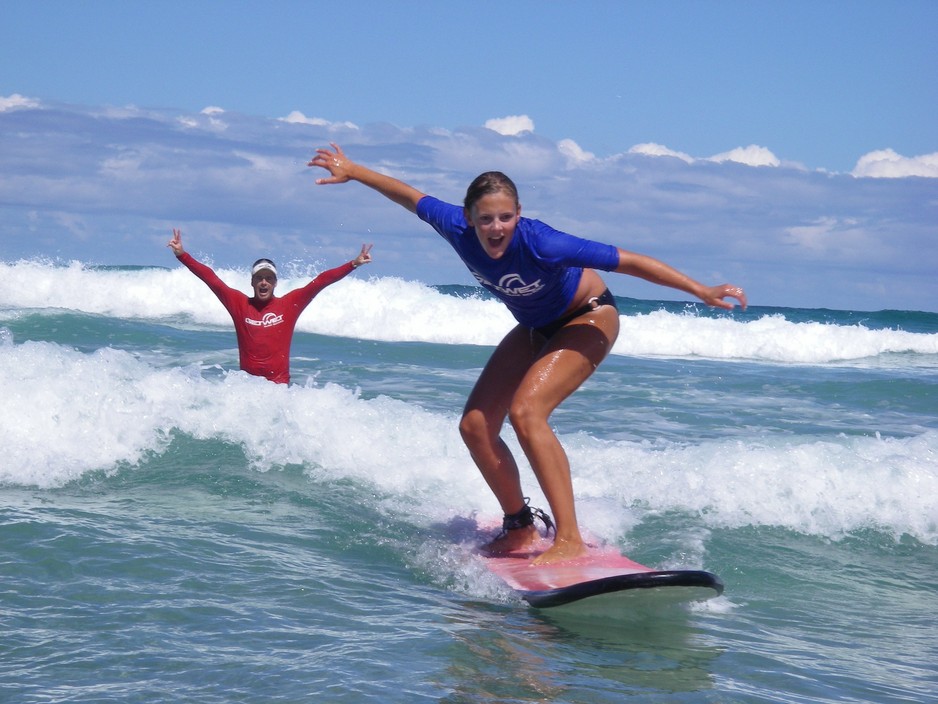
(567, 324)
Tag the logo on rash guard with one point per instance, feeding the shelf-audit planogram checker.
(510, 285)
(269, 320)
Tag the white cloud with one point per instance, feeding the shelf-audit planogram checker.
(793, 237)
(652, 149)
(125, 112)
(886, 163)
(753, 155)
(298, 118)
(15, 101)
(831, 235)
(212, 110)
(511, 125)
(573, 152)
(212, 123)
(264, 162)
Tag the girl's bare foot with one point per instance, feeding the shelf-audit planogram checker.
(518, 539)
(561, 551)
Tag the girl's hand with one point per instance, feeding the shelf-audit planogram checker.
(335, 162)
(714, 296)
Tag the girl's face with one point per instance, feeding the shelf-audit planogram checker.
(494, 217)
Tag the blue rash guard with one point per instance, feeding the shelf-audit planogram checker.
(539, 273)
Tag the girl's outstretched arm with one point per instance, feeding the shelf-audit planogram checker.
(658, 272)
(342, 169)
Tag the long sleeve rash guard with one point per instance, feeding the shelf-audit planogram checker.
(265, 330)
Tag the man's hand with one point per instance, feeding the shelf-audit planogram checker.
(175, 243)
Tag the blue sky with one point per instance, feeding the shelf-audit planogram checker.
(791, 147)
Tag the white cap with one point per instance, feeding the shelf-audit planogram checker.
(262, 264)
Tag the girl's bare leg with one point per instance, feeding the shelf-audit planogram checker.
(481, 424)
(526, 383)
(570, 357)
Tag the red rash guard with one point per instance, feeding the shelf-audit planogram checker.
(265, 331)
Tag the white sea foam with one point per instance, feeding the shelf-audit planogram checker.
(769, 338)
(391, 309)
(67, 414)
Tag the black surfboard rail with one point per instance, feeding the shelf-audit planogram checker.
(606, 585)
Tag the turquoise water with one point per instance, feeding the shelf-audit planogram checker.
(175, 531)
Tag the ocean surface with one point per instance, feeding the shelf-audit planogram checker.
(173, 530)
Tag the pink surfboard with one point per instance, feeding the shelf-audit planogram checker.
(604, 572)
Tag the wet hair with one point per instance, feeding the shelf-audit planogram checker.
(488, 183)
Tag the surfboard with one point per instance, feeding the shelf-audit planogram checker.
(602, 579)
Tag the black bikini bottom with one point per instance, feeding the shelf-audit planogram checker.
(606, 299)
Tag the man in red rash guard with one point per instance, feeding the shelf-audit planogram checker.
(264, 323)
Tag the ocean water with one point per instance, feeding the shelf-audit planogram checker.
(174, 530)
